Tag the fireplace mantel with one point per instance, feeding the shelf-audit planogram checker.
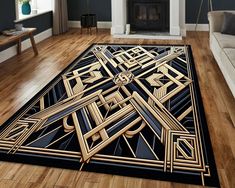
(177, 17)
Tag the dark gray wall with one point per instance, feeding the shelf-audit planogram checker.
(192, 7)
(103, 9)
(7, 16)
(41, 22)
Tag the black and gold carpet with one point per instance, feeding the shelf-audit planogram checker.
(121, 109)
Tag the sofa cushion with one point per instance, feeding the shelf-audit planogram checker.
(228, 26)
(225, 41)
(230, 52)
(226, 65)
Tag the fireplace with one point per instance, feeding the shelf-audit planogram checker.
(176, 19)
(148, 15)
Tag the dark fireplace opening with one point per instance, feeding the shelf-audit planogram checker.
(149, 15)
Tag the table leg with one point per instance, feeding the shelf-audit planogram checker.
(19, 46)
(33, 44)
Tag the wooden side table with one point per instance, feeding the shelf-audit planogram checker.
(4, 40)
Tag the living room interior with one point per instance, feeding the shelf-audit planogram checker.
(117, 93)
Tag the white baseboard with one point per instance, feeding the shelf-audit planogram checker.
(183, 32)
(200, 27)
(152, 37)
(12, 51)
(102, 25)
(74, 24)
(108, 25)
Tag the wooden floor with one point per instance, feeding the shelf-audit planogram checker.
(23, 76)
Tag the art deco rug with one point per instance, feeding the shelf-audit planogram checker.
(121, 109)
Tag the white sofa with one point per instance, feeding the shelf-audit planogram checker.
(223, 48)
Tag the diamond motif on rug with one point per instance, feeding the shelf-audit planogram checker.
(121, 109)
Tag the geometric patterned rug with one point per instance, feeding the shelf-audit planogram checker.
(121, 109)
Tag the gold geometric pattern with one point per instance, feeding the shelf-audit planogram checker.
(130, 106)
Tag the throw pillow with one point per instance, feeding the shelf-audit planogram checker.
(228, 26)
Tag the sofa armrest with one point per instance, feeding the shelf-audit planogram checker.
(216, 20)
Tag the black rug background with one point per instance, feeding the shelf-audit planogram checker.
(96, 166)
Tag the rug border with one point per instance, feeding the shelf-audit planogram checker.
(44, 161)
